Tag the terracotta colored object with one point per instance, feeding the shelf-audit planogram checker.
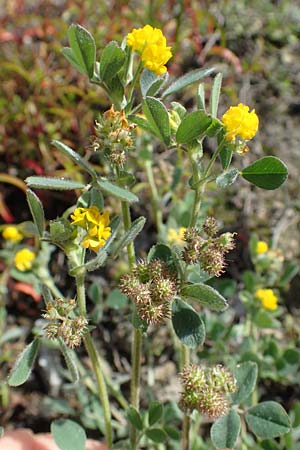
(23, 439)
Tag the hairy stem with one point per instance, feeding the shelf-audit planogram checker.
(155, 197)
(136, 346)
(96, 362)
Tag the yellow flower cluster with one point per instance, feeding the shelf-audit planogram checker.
(176, 236)
(268, 298)
(261, 247)
(96, 225)
(151, 44)
(240, 122)
(24, 259)
(11, 233)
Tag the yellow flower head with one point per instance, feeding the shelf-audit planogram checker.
(155, 57)
(240, 122)
(96, 225)
(24, 259)
(151, 44)
(11, 233)
(268, 298)
(139, 38)
(261, 247)
(176, 236)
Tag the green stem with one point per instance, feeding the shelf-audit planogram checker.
(133, 83)
(186, 432)
(136, 347)
(155, 197)
(185, 360)
(96, 362)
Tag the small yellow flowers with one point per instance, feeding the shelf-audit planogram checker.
(24, 259)
(176, 236)
(96, 225)
(151, 44)
(11, 233)
(268, 298)
(261, 247)
(240, 122)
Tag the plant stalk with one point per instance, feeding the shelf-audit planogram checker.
(136, 347)
(96, 362)
(155, 197)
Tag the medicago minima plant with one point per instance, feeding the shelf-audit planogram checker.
(168, 287)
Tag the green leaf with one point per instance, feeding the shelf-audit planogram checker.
(267, 173)
(117, 191)
(130, 235)
(23, 365)
(158, 118)
(263, 319)
(215, 94)
(68, 435)
(292, 356)
(172, 432)
(226, 155)
(92, 197)
(116, 299)
(134, 418)
(246, 376)
(227, 178)
(84, 49)
(70, 360)
(70, 56)
(1, 432)
(141, 122)
(116, 89)
(57, 184)
(225, 431)
(192, 126)
(214, 128)
(156, 435)
(75, 157)
(268, 420)
(151, 83)
(37, 211)
(201, 97)
(187, 324)
(112, 60)
(155, 412)
(186, 80)
(205, 295)
(95, 263)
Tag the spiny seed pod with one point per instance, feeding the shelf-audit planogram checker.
(226, 242)
(212, 260)
(117, 157)
(188, 401)
(142, 271)
(51, 312)
(128, 283)
(73, 341)
(206, 390)
(163, 290)
(51, 330)
(210, 226)
(191, 234)
(154, 313)
(65, 329)
(222, 379)
(212, 403)
(193, 378)
(158, 269)
(64, 306)
(80, 325)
